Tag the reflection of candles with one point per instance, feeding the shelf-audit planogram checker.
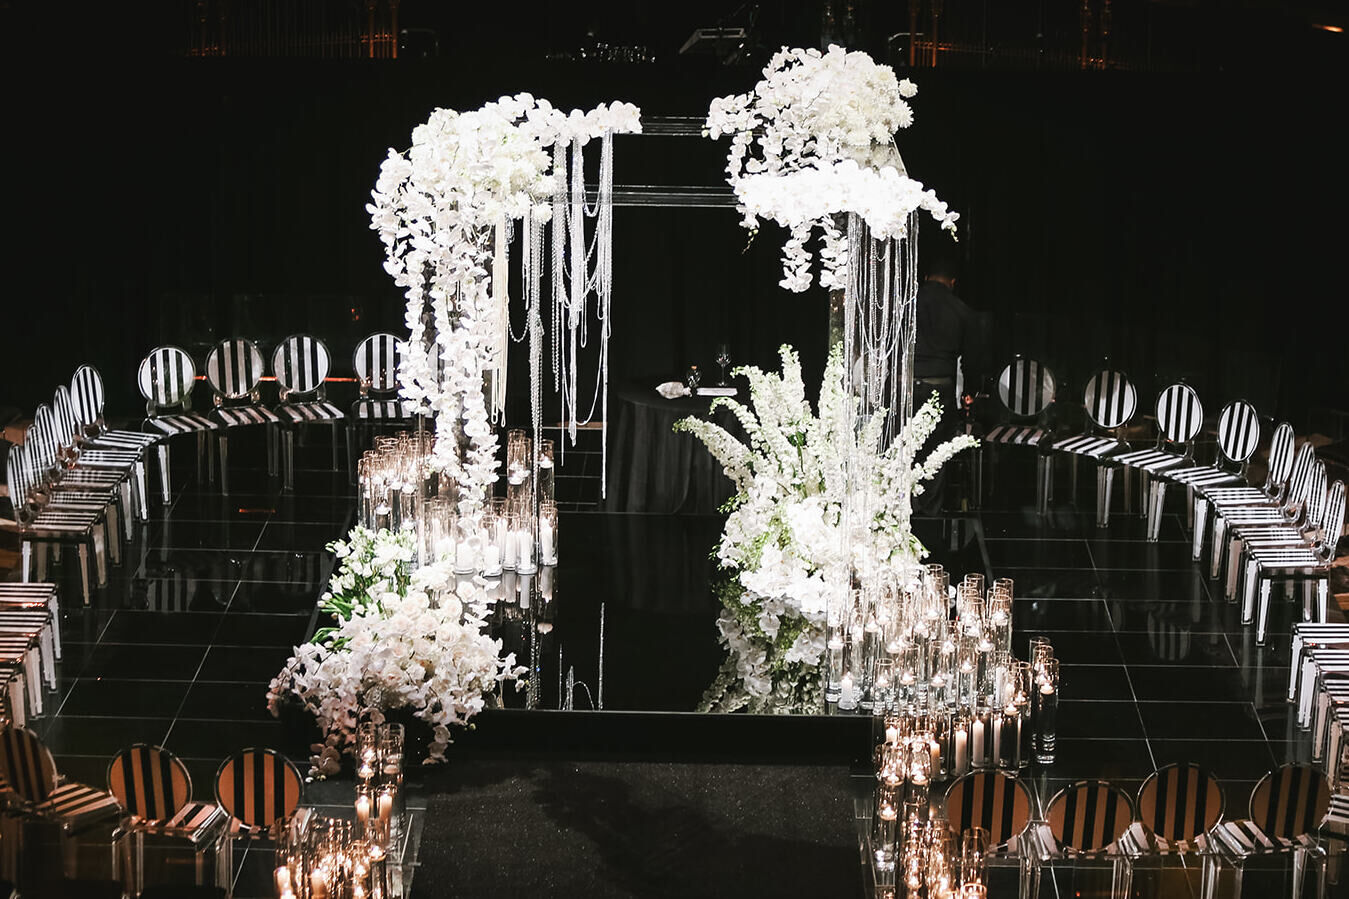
(974, 891)
(366, 771)
(283, 879)
(362, 808)
(318, 883)
(892, 734)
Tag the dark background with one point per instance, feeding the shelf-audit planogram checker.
(1185, 222)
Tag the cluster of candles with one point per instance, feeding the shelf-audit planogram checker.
(350, 858)
(899, 654)
(398, 490)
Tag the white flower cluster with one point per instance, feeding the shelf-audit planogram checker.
(436, 208)
(403, 644)
(815, 138)
(786, 541)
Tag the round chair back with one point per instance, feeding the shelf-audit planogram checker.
(376, 362)
(1026, 387)
(26, 765)
(1280, 457)
(1110, 399)
(234, 368)
(1238, 430)
(301, 363)
(1290, 802)
(1332, 523)
(1180, 415)
(166, 376)
(150, 782)
(258, 787)
(1089, 815)
(1000, 804)
(86, 390)
(1180, 802)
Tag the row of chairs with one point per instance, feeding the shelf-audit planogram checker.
(234, 370)
(1179, 810)
(1317, 687)
(148, 797)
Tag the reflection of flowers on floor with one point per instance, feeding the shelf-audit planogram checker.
(414, 641)
(785, 546)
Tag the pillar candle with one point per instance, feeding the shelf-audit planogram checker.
(962, 757)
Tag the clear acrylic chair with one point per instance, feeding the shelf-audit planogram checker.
(301, 365)
(375, 362)
(1305, 487)
(165, 378)
(1271, 493)
(86, 393)
(1086, 821)
(56, 475)
(1178, 807)
(1005, 808)
(234, 369)
(1026, 389)
(1238, 436)
(155, 789)
(1110, 401)
(1308, 564)
(1286, 810)
(1180, 417)
(260, 789)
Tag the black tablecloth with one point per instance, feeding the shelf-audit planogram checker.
(652, 468)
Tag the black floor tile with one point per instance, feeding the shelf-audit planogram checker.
(1198, 720)
(1068, 583)
(1095, 682)
(233, 664)
(132, 661)
(246, 701)
(1083, 718)
(1109, 553)
(214, 535)
(296, 536)
(1039, 614)
(1227, 760)
(125, 698)
(1108, 759)
(1074, 647)
(185, 628)
(70, 735)
(276, 597)
(1174, 645)
(1046, 553)
(205, 739)
(241, 628)
(1160, 683)
(1155, 585)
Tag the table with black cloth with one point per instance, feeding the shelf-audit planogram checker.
(654, 469)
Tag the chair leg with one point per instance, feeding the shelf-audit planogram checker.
(1235, 547)
(142, 488)
(1248, 595)
(162, 451)
(1105, 481)
(351, 452)
(100, 544)
(210, 457)
(1144, 492)
(85, 586)
(1029, 882)
(224, 464)
(336, 423)
(1216, 545)
(42, 551)
(1072, 478)
(26, 561)
(1238, 871)
(1262, 619)
(1044, 476)
(1121, 878)
(1299, 871)
(1322, 598)
(271, 450)
(115, 527)
(288, 474)
(1208, 876)
(1199, 520)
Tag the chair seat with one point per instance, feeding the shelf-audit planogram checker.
(1016, 435)
(382, 409)
(1238, 496)
(182, 423)
(300, 413)
(240, 416)
(190, 822)
(1141, 841)
(1204, 476)
(1095, 447)
(129, 438)
(1150, 460)
(1244, 838)
(1289, 560)
(76, 805)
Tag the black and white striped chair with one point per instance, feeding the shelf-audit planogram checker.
(1286, 810)
(1110, 401)
(1180, 416)
(1238, 436)
(166, 378)
(1005, 808)
(76, 464)
(375, 362)
(1026, 389)
(1307, 479)
(1086, 821)
(234, 369)
(57, 476)
(1178, 807)
(154, 787)
(1306, 564)
(86, 393)
(301, 364)
(1222, 500)
(40, 523)
(37, 791)
(260, 789)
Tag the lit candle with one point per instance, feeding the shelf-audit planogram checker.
(974, 891)
(524, 542)
(491, 558)
(892, 734)
(318, 884)
(977, 741)
(548, 549)
(962, 759)
(366, 771)
(362, 808)
(935, 748)
(283, 880)
(385, 805)
(847, 699)
(463, 556)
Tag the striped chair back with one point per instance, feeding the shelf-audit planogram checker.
(166, 377)
(1280, 458)
(234, 368)
(150, 782)
(18, 477)
(86, 390)
(1290, 802)
(1026, 387)
(1089, 815)
(63, 414)
(1332, 522)
(1110, 399)
(258, 787)
(1314, 506)
(1180, 415)
(999, 804)
(1180, 802)
(376, 363)
(1299, 482)
(41, 440)
(300, 364)
(1239, 431)
(26, 765)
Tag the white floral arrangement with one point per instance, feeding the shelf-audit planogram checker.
(785, 541)
(815, 139)
(403, 641)
(437, 208)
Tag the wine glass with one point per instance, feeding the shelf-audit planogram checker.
(723, 359)
(693, 378)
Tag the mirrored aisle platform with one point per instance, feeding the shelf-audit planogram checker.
(603, 782)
